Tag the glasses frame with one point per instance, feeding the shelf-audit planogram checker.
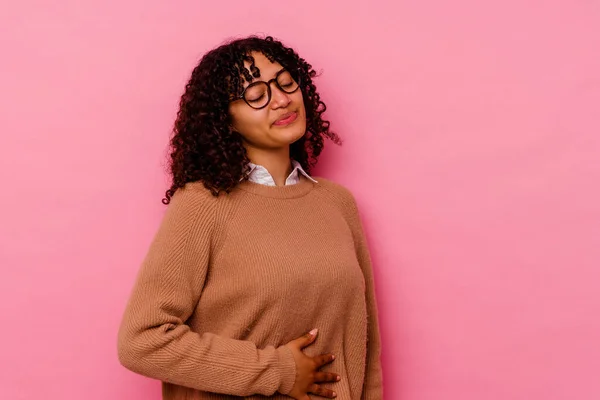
(269, 94)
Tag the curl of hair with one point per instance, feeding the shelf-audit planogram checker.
(204, 147)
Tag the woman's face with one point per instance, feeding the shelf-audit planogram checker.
(280, 123)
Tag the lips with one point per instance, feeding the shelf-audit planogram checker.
(286, 118)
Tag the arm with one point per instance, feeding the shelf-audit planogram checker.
(373, 389)
(154, 339)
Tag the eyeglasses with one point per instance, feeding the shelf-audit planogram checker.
(258, 94)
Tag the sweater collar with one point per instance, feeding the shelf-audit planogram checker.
(302, 188)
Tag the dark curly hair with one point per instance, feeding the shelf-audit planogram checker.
(204, 147)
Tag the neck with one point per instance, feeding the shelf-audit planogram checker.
(276, 161)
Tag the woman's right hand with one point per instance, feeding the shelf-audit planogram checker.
(308, 375)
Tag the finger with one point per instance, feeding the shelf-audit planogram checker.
(323, 359)
(326, 377)
(307, 339)
(321, 391)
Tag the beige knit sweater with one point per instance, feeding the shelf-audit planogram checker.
(229, 280)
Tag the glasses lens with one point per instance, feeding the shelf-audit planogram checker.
(286, 82)
(256, 95)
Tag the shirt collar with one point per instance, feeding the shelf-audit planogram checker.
(298, 168)
(259, 174)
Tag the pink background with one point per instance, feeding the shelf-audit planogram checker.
(472, 136)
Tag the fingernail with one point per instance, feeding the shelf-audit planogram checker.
(314, 332)
(334, 394)
(338, 378)
(333, 357)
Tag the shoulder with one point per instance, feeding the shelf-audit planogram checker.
(337, 192)
(345, 202)
(194, 197)
(194, 191)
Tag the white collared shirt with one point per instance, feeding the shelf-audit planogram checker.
(259, 174)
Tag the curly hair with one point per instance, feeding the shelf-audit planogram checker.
(204, 147)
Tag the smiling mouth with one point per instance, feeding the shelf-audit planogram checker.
(286, 119)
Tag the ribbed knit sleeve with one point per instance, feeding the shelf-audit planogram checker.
(373, 385)
(154, 339)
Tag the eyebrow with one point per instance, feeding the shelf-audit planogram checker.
(276, 73)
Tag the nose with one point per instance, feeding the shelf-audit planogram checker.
(279, 98)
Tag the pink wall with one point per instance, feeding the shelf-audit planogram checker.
(472, 136)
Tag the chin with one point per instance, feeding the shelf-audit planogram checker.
(296, 133)
(291, 133)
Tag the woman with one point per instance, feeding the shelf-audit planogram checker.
(253, 252)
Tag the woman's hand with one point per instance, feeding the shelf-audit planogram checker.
(307, 375)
